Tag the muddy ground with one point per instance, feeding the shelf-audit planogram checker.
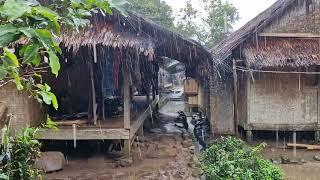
(305, 167)
(163, 153)
(166, 153)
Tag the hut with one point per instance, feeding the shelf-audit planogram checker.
(108, 83)
(269, 72)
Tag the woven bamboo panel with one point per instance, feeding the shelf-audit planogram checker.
(25, 111)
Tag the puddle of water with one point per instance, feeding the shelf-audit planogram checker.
(171, 128)
(172, 107)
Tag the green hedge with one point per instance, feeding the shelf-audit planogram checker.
(231, 158)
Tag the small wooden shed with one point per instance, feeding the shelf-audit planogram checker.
(269, 72)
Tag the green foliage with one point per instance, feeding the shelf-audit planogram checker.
(50, 124)
(38, 26)
(232, 158)
(210, 24)
(18, 154)
(222, 15)
(155, 10)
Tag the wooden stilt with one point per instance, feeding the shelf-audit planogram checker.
(317, 136)
(127, 148)
(249, 136)
(140, 131)
(235, 97)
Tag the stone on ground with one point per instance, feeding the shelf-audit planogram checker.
(50, 161)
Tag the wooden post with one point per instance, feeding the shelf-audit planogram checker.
(140, 131)
(93, 94)
(126, 96)
(235, 97)
(317, 136)
(95, 59)
(127, 148)
(249, 136)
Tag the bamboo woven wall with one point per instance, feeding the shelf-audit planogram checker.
(25, 111)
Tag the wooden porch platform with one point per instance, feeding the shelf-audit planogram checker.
(112, 128)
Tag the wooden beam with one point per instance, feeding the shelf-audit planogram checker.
(93, 95)
(126, 96)
(95, 58)
(83, 133)
(235, 97)
(139, 122)
(290, 35)
(306, 146)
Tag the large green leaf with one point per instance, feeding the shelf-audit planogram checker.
(13, 9)
(3, 72)
(54, 100)
(29, 32)
(46, 38)
(7, 28)
(10, 59)
(46, 97)
(5, 137)
(54, 63)
(7, 34)
(52, 16)
(17, 80)
(6, 39)
(31, 54)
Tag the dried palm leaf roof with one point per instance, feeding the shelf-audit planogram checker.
(224, 49)
(283, 52)
(134, 31)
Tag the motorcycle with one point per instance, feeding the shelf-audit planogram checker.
(202, 130)
(195, 117)
(181, 119)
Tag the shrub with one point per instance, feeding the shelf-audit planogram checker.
(232, 158)
(18, 155)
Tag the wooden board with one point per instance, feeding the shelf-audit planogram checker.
(190, 87)
(70, 123)
(304, 146)
(193, 100)
(84, 134)
(294, 35)
(139, 122)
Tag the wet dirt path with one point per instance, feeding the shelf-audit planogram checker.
(306, 169)
(161, 155)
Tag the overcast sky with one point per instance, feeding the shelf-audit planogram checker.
(248, 9)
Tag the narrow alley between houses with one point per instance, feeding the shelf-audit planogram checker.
(164, 152)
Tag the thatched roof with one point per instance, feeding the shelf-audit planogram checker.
(283, 52)
(138, 33)
(224, 49)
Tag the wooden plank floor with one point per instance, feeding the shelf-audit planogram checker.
(111, 128)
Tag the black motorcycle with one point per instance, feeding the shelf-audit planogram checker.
(202, 130)
(196, 117)
(181, 119)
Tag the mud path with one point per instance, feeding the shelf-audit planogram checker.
(158, 155)
(306, 169)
